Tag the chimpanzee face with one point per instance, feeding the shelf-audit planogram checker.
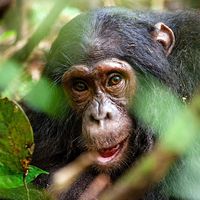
(100, 77)
(101, 95)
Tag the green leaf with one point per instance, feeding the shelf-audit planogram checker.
(16, 146)
(10, 179)
(14, 82)
(9, 71)
(48, 98)
(33, 172)
(21, 194)
(16, 137)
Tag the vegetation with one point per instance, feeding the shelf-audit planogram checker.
(26, 33)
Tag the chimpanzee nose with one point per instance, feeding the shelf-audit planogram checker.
(100, 112)
(98, 117)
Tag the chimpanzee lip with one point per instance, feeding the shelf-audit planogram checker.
(108, 155)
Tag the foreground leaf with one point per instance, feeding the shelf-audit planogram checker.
(16, 147)
(10, 179)
(21, 194)
(16, 137)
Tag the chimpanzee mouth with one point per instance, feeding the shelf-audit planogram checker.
(112, 154)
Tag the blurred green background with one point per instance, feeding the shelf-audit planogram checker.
(19, 18)
(36, 23)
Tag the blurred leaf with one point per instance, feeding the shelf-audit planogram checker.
(183, 180)
(42, 92)
(48, 98)
(8, 72)
(7, 36)
(186, 132)
(177, 126)
(14, 82)
(71, 11)
(156, 105)
(41, 95)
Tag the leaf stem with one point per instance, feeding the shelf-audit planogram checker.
(26, 187)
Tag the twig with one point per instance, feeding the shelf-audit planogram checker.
(98, 185)
(65, 177)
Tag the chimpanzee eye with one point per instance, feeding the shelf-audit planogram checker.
(114, 80)
(79, 86)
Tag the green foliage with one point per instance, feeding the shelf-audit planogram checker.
(21, 194)
(160, 109)
(10, 179)
(177, 126)
(16, 136)
(14, 82)
(7, 35)
(154, 104)
(46, 97)
(9, 71)
(40, 95)
(16, 146)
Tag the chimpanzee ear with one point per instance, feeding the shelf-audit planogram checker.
(165, 36)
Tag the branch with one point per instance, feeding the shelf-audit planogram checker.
(41, 32)
(66, 176)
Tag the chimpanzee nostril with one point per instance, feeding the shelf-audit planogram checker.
(94, 119)
(101, 112)
(97, 118)
(108, 115)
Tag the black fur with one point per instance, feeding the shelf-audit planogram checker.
(126, 35)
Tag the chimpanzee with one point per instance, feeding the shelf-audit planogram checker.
(98, 59)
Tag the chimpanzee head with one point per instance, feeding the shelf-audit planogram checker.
(98, 58)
